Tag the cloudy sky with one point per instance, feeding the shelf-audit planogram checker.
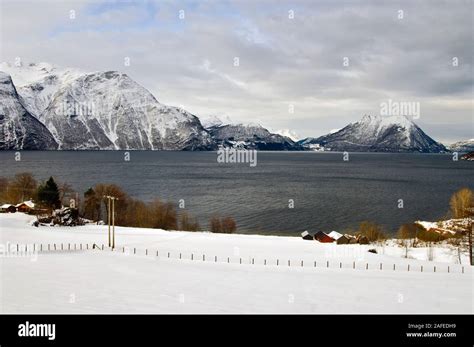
(305, 66)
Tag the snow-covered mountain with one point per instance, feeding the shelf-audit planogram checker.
(18, 128)
(251, 136)
(104, 110)
(287, 133)
(378, 134)
(462, 146)
(37, 83)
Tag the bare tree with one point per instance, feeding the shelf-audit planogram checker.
(462, 206)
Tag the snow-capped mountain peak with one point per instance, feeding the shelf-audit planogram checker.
(28, 73)
(104, 110)
(378, 134)
(19, 129)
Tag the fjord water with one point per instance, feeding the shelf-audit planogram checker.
(328, 193)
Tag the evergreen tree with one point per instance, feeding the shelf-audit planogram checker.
(48, 194)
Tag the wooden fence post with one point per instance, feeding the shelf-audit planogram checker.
(448, 269)
(215, 259)
(434, 269)
(340, 265)
(302, 263)
(315, 263)
(327, 263)
(278, 262)
(380, 266)
(408, 267)
(367, 266)
(421, 268)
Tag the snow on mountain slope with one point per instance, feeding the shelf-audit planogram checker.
(287, 133)
(251, 136)
(105, 110)
(19, 129)
(462, 146)
(118, 113)
(210, 121)
(36, 83)
(379, 134)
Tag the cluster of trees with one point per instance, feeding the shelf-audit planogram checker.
(130, 212)
(23, 186)
(224, 225)
(461, 207)
(136, 213)
(373, 231)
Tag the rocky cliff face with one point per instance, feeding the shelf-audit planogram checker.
(19, 130)
(105, 110)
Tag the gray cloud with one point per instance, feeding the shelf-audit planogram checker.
(283, 61)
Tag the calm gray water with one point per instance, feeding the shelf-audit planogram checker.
(328, 193)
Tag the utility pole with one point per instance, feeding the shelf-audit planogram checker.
(471, 259)
(108, 214)
(113, 220)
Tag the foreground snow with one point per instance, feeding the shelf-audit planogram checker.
(127, 282)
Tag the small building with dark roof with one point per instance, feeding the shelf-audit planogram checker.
(306, 235)
(343, 240)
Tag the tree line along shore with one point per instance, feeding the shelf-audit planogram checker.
(50, 196)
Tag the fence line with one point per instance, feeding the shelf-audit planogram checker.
(41, 248)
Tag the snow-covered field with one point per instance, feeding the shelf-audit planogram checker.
(239, 274)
